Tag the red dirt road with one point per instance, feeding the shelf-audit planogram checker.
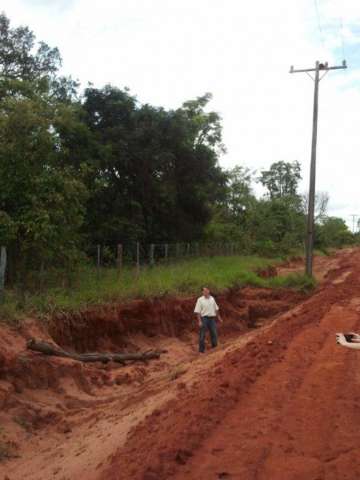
(300, 420)
(281, 402)
(285, 407)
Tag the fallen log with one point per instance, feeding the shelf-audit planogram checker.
(48, 349)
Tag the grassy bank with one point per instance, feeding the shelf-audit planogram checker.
(90, 287)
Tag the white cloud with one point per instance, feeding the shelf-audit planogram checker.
(50, 5)
(167, 52)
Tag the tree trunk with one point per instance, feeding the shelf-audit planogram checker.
(48, 349)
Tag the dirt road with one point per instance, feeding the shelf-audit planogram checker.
(300, 420)
(284, 406)
(279, 402)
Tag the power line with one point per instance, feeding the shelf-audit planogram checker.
(319, 23)
(354, 215)
(342, 37)
(321, 30)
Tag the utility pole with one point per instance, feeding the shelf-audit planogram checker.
(319, 67)
(354, 215)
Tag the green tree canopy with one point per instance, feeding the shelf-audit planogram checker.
(281, 179)
(21, 58)
(333, 232)
(155, 172)
(41, 202)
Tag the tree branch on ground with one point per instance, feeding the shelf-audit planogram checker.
(52, 350)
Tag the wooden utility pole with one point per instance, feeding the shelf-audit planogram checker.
(2, 270)
(354, 215)
(137, 259)
(151, 255)
(319, 67)
(119, 258)
(98, 260)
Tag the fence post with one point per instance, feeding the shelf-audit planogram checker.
(98, 258)
(2, 269)
(42, 273)
(119, 258)
(137, 259)
(177, 250)
(166, 252)
(151, 257)
(188, 249)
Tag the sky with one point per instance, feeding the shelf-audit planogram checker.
(170, 51)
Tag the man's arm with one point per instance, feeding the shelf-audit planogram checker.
(197, 312)
(218, 313)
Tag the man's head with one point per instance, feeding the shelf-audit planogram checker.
(206, 292)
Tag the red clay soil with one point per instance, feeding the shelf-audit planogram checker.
(281, 401)
(111, 327)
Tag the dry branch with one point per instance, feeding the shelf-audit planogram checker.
(48, 349)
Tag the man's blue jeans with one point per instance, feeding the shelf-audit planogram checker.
(207, 323)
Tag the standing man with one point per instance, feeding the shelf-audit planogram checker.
(207, 312)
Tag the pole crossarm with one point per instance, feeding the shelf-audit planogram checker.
(322, 67)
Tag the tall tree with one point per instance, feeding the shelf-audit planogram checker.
(28, 66)
(282, 179)
(19, 57)
(155, 171)
(41, 201)
(239, 191)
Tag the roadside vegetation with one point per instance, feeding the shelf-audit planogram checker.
(91, 287)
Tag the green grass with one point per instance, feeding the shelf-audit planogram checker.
(90, 288)
(299, 281)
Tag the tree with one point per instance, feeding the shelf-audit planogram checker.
(281, 179)
(239, 193)
(333, 232)
(28, 67)
(19, 60)
(206, 126)
(41, 203)
(321, 205)
(279, 221)
(230, 214)
(155, 172)
(41, 200)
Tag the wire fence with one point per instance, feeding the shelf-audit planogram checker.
(139, 254)
(136, 256)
